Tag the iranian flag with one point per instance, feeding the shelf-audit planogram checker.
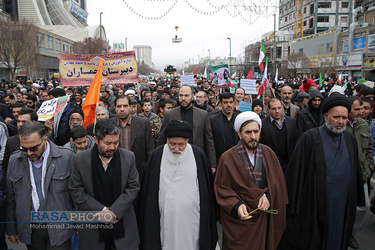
(339, 80)
(262, 54)
(264, 80)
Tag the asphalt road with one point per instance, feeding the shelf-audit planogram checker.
(365, 237)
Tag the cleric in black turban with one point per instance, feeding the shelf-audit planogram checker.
(178, 128)
(335, 100)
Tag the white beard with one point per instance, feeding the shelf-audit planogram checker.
(176, 159)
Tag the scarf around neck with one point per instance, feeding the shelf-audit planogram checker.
(254, 171)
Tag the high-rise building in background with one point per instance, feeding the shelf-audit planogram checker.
(61, 23)
(317, 16)
(143, 54)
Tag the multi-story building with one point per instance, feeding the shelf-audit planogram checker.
(318, 16)
(276, 57)
(143, 54)
(60, 24)
(315, 54)
(356, 48)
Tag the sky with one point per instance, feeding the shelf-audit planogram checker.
(203, 25)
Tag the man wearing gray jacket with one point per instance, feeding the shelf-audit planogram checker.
(37, 180)
(105, 179)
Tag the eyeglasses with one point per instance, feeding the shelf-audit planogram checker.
(31, 149)
(180, 145)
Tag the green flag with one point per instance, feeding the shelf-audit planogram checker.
(320, 81)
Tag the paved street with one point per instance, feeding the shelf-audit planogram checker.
(365, 237)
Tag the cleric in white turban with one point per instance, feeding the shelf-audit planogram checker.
(249, 182)
(246, 117)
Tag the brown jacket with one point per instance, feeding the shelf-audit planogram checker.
(233, 183)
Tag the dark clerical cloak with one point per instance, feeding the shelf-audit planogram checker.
(307, 190)
(233, 183)
(148, 206)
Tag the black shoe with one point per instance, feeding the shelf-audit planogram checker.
(353, 243)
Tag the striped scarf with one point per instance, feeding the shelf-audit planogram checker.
(255, 172)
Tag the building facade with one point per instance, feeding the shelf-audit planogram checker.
(143, 54)
(60, 24)
(318, 16)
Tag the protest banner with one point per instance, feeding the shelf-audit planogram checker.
(50, 108)
(187, 80)
(245, 106)
(79, 70)
(220, 76)
(249, 85)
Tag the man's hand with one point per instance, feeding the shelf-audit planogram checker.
(243, 213)
(213, 170)
(13, 239)
(106, 216)
(263, 204)
(8, 120)
(49, 125)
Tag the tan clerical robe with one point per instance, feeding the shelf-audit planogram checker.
(233, 183)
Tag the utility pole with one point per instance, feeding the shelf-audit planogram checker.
(100, 27)
(126, 44)
(274, 41)
(230, 51)
(209, 56)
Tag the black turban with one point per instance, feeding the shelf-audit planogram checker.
(178, 128)
(335, 100)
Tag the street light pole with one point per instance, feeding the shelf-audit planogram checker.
(100, 27)
(230, 51)
(209, 56)
(126, 44)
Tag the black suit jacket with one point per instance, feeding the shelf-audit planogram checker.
(13, 144)
(142, 141)
(217, 126)
(268, 136)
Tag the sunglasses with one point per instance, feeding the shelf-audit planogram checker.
(31, 149)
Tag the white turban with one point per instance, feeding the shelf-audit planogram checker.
(337, 89)
(244, 117)
(130, 92)
(36, 85)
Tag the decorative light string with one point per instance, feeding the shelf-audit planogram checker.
(216, 9)
(239, 5)
(152, 17)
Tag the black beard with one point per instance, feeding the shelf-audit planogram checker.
(250, 147)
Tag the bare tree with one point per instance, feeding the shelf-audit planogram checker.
(297, 61)
(90, 45)
(18, 45)
(144, 69)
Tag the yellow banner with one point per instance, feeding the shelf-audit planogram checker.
(79, 70)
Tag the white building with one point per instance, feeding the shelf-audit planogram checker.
(61, 23)
(143, 53)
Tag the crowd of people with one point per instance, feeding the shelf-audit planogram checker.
(166, 164)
